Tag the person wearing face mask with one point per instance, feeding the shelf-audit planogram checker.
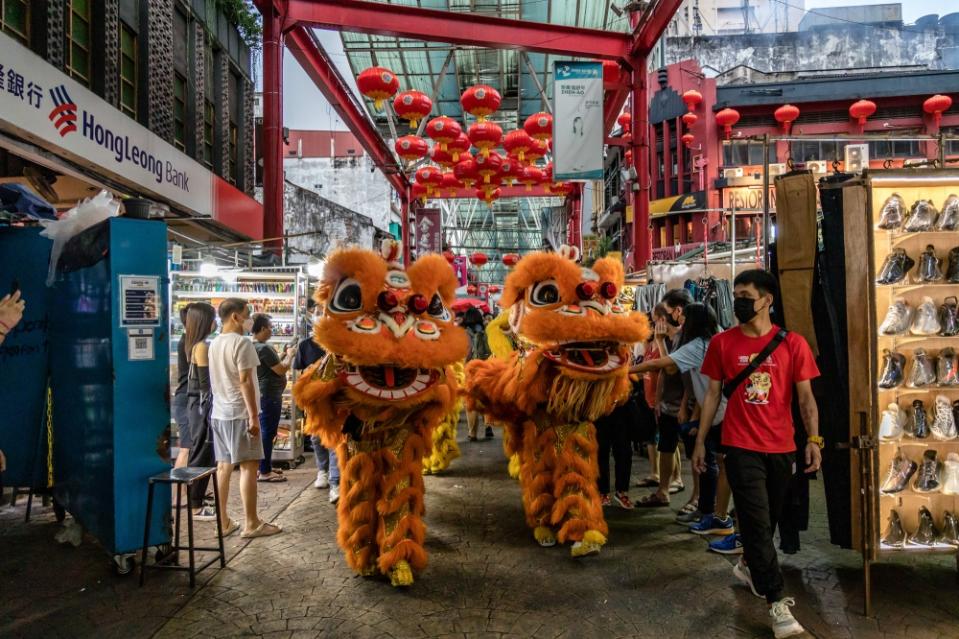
(756, 366)
(235, 416)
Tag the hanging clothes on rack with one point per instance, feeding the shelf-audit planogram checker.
(716, 294)
(648, 296)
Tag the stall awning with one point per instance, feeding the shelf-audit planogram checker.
(677, 204)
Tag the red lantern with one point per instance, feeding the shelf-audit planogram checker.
(786, 115)
(467, 171)
(489, 165)
(378, 84)
(726, 119)
(451, 183)
(936, 105)
(689, 119)
(531, 175)
(493, 288)
(412, 106)
(688, 139)
(411, 147)
(459, 146)
(478, 259)
(480, 101)
(692, 98)
(625, 120)
(539, 126)
(441, 157)
(420, 192)
(471, 289)
(561, 188)
(511, 259)
(430, 177)
(548, 173)
(610, 71)
(537, 152)
(450, 257)
(517, 143)
(485, 136)
(511, 171)
(443, 130)
(489, 195)
(861, 110)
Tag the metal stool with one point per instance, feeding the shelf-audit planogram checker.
(182, 477)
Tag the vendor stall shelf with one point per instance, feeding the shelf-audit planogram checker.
(902, 363)
(281, 294)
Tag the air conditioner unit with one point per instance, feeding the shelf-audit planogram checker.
(817, 166)
(733, 173)
(857, 158)
(777, 169)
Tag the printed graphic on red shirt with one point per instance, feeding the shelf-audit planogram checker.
(757, 390)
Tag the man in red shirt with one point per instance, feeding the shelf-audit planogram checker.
(758, 431)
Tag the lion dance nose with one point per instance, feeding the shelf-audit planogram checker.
(586, 290)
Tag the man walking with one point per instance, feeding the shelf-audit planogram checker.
(271, 376)
(755, 366)
(235, 416)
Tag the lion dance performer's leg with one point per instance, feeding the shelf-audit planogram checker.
(356, 511)
(401, 530)
(578, 509)
(537, 466)
(444, 449)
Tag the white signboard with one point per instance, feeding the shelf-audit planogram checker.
(578, 134)
(44, 105)
(139, 300)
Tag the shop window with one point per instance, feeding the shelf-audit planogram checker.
(179, 111)
(234, 152)
(209, 125)
(882, 149)
(15, 19)
(128, 71)
(78, 41)
(688, 239)
(952, 145)
(742, 153)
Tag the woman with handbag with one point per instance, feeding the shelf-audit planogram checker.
(200, 324)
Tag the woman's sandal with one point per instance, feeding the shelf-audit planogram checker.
(652, 501)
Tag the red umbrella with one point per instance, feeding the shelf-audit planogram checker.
(465, 303)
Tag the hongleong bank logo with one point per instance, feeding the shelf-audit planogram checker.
(64, 113)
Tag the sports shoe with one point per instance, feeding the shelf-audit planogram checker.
(952, 270)
(949, 317)
(895, 268)
(900, 471)
(919, 426)
(922, 217)
(322, 479)
(894, 536)
(892, 423)
(898, 318)
(926, 321)
(728, 545)
(782, 621)
(950, 475)
(950, 529)
(943, 425)
(926, 534)
(334, 493)
(929, 477)
(605, 500)
(923, 371)
(949, 216)
(207, 513)
(622, 500)
(930, 266)
(689, 518)
(713, 525)
(741, 572)
(892, 213)
(893, 369)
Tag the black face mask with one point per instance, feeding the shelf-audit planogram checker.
(744, 309)
(672, 321)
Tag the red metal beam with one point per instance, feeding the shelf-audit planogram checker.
(458, 28)
(642, 249)
(615, 98)
(272, 126)
(311, 56)
(652, 25)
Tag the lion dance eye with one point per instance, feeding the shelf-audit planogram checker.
(544, 293)
(348, 297)
(436, 308)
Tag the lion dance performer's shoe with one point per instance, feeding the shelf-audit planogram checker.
(386, 383)
(548, 395)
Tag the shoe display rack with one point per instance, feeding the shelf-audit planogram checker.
(280, 293)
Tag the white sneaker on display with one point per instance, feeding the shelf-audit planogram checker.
(926, 321)
(898, 318)
(322, 479)
(893, 422)
(943, 424)
(950, 475)
(334, 493)
(782, 620)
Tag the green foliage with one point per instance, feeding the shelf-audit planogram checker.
(244, 16)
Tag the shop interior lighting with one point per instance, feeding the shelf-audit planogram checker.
(209, 268)
(315, 268)
(230, 276)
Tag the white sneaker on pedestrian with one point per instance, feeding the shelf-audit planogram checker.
(322, 479)
(782, 620)
(741, 572)
(334, 493)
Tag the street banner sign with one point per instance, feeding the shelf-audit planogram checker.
(578, 134)
(429, 235)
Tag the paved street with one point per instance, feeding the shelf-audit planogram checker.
(486, 579)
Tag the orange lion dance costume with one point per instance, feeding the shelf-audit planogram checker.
(572, 371)
(386, 382)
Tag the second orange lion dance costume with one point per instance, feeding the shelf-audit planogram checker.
(548, 395)
(385, 384)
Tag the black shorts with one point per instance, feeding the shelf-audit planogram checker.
(668, 434)
(713, 439)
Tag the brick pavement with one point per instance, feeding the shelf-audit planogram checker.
(486, 579)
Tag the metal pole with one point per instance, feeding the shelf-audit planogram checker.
(766, 221)
(539, 85)
(272, 126)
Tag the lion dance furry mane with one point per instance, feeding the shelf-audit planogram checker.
(570, 370)
(385, 384)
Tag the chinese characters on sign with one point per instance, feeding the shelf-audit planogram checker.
(429, 232)
(13, 83)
